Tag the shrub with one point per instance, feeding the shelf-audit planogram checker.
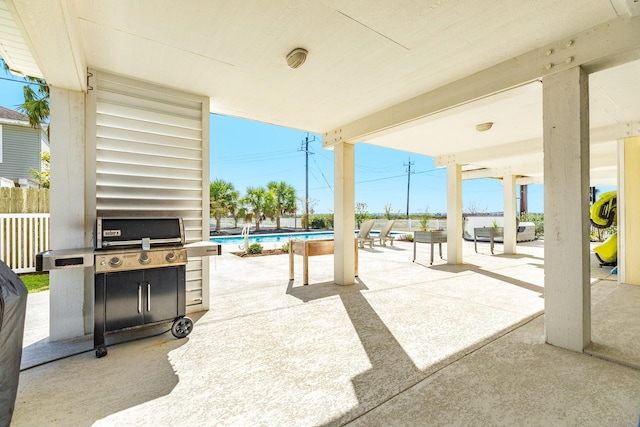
(285, 248)
(317, 222)
(322, 221)
(255, 248)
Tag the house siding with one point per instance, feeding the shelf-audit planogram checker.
(20, 151)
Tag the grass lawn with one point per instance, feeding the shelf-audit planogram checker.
(35, 282)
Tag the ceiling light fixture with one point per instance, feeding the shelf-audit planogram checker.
(482, 127)
(296, 57)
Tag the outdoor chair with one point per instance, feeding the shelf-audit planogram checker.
(385, 233)
(364, 234)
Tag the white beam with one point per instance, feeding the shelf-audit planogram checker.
(485, 173)
(566, 209)
(614, 132)
(501, 151)
(526, 180)
(603, 176)
(344, 212)
(597, 45)
(59, 58)
(600, 135)
(454, 214)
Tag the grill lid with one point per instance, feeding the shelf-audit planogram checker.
(138, 232)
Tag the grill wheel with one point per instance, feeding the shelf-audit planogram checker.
(182, 327)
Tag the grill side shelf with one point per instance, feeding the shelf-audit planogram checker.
(59, 259)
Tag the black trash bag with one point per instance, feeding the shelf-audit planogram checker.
(13, 306)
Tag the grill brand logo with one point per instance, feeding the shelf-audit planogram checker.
(111, 233)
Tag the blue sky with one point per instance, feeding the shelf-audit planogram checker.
(250, 154)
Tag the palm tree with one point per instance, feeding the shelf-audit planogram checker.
(223, 200)
(260, 204)
(36, 104)
(284, 197)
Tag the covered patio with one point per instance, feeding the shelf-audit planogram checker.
(132, 87)
(409, 344)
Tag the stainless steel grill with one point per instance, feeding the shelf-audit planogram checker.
(140, 273)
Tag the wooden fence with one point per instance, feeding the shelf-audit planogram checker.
(24, 200)
(21, 237)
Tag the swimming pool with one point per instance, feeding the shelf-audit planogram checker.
(275, 238)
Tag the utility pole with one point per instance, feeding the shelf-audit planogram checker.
(305, 147)
(408, 165)
(523, 199)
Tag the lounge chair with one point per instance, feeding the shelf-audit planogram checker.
(385, 233)
(364, 234)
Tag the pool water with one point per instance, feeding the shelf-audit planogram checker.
(275, 238)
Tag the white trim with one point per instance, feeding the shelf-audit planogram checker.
(621, 215)
(205, 261)
(22, 123)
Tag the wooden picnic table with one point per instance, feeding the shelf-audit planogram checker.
(308, 248)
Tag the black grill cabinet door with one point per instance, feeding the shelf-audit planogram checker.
(161, 294)
(124, 299)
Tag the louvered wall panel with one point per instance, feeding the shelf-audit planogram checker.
(149, 158)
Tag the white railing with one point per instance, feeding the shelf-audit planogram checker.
(21, 237)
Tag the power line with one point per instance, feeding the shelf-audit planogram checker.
(380, 179)
(400, 176)
(251, 157)
(322, 173)
(24, 82)
(257, 160)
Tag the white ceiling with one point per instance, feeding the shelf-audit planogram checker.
(364, 56)
(514, 143)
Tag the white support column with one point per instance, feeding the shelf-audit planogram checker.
(454, 214)
(67, 205)
(566, 209)
(510, 231)
(344, 214)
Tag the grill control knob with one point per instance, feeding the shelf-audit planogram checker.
(171, 256)
(144, 258)
(115, 261)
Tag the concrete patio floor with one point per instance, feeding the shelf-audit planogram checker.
(410, 344)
